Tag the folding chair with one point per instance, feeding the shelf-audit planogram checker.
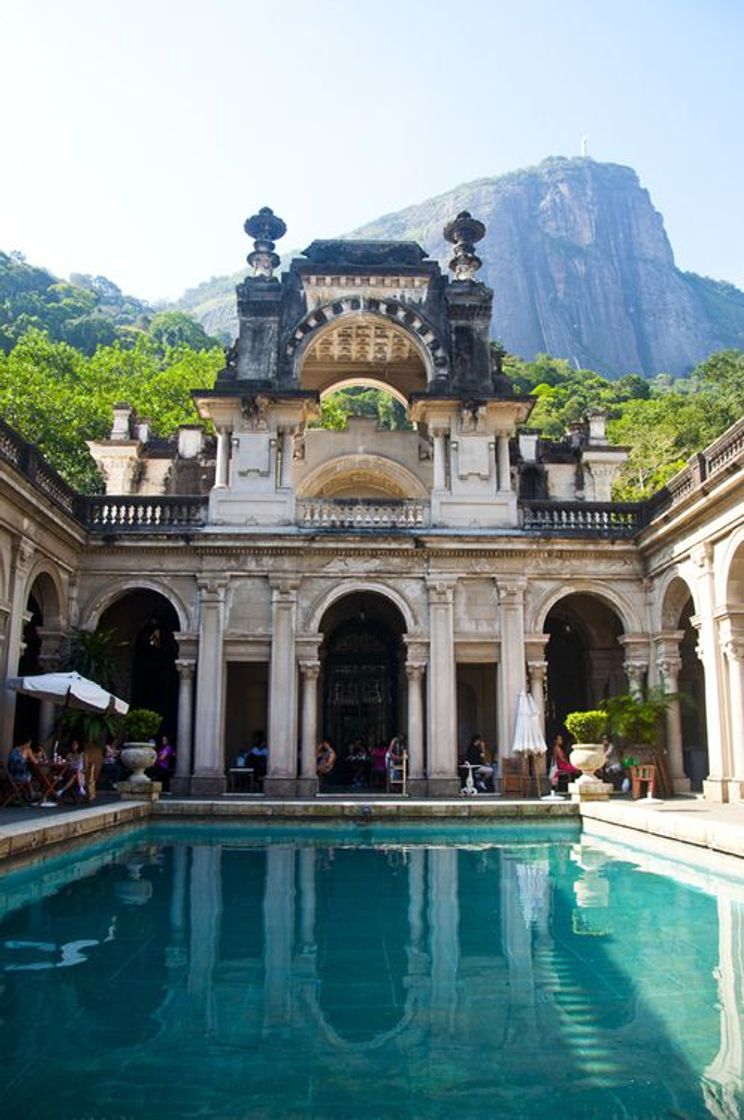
(13, 792)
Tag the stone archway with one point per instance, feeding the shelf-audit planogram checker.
(584, 656)
(364, 337)
(145, 623)
(362, 681)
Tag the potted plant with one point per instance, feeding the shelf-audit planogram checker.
(587, 753)
(140, 726)
(636, 718)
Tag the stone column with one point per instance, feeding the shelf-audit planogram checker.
(209, 762)
(415, 674)
(734, 651)
(222, 464)
(439, 466)
(668, 669)
(715, 786)
(281, 778)
(23, 554)
(49, 658)
(442, 737)
(504, 470)
(308, 784)
(185, 667)
(287, 437)
(512, 674)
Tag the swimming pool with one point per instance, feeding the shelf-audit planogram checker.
(368, 971)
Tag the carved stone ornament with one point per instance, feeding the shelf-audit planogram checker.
(463, 232)
(265, 228)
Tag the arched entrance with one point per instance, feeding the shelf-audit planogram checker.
(691, 684)
(145, 623)
(26, 725)
(362, 683)
(585, 658)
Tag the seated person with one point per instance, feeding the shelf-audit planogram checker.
(612, 769)
(561, 771)
(74, 773)
(165, 763)
(258, 756)
(111, 769)
(19, 769)
(378, 765)
(358, 759)
(482, 770)
(325, 758)
(395, 753)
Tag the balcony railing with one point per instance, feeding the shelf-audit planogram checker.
(111, 514)
(362, 514)
(27, 459)
(582, 519)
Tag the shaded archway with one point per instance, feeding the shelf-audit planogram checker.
(362, 682)
(27, 709)
(691, 684)
(145, 623)
(585, 658)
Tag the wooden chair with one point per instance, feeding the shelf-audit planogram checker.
(397, 775)
(642, 775)
(512, 777)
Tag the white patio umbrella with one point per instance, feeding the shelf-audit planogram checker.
(69, 690)
(528, 734)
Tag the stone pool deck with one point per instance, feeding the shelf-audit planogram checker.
(681, 821)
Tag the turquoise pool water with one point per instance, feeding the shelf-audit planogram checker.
(361, 972)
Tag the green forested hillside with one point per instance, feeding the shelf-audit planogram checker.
(86, 311)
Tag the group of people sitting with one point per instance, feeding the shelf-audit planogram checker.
(373, 768)
(75, 773)
(26, 762)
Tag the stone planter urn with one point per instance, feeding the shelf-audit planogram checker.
(587, 757)
(137, 757)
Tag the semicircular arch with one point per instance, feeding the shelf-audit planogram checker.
(672, 595)
(96, 606)
(365, 383)
(330, 595)
(45, 581)
(730, 571)
(380, 472)
(615, 600)
(402, 322)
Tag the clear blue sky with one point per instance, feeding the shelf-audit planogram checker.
(138, 136)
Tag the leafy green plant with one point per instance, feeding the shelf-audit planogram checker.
(586, 727)
(637, 718)
(93, 654)
(141, 724)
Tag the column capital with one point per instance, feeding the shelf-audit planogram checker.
(211, 587)
(635, 671)
(415, 670)
(734, 648)
(310, 669)
(23, 553)
(669, 666)
(537, 669)
(511, 591)
(185, 667)
(441, 590)
(284, 588)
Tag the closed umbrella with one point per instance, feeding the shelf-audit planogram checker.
(529, 741)
(69, 690)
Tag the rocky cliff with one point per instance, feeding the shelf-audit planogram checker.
(580, 265)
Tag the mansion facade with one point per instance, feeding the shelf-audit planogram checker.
(360, 582)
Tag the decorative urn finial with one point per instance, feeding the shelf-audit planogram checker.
(463, 232)
(265, 228)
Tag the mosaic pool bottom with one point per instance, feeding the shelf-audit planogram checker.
(366, 971)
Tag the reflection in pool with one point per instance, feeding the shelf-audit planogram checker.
(365, 972)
